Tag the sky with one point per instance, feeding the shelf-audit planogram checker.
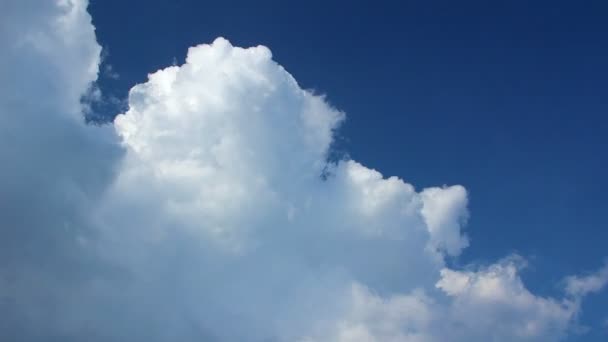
(418, 171)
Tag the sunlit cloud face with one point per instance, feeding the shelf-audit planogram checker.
(209, 211)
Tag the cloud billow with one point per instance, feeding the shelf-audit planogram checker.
(209, 211)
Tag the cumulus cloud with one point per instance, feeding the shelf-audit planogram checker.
(494, 302)
(209, 211)
(53, 167)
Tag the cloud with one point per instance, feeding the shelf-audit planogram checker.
(494, 302)
(209, 211)
(54, 167)
(578, 286)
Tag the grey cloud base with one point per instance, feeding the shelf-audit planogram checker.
(201, 213)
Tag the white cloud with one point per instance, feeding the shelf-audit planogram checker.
(53, 167)
(494, 302)
(488, 304)
(578, 286)
(444, 210)
(213, 221)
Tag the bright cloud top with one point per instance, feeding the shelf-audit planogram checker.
(214, 214)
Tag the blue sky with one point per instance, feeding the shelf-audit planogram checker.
(506, 98)
(196, 207)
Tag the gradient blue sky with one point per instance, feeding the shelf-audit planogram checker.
(508, 98)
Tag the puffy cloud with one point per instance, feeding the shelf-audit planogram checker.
(228, 138)
(444, 211)
(211, 212)
(370, 317)
(53, 166)
(494, 302)
(49, 50)
(490, 303)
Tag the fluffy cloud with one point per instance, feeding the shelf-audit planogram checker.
(53, 167)
(208, 211)
(494, 302)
